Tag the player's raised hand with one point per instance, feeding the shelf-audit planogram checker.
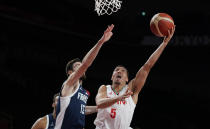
(107, 33)
(170, 35)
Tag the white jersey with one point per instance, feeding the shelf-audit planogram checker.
(117, 116)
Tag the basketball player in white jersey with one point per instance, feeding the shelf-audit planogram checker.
(116, 102)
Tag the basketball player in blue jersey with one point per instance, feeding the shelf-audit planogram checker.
(116, 102)
(48, 121)
(70, 113)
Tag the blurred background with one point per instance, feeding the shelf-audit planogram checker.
(38, 38)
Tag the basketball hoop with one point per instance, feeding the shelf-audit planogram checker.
(107, 6)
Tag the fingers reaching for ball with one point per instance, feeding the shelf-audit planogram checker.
(170, 34)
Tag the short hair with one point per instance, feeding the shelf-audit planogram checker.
(123, 67)
(69, 65)
(55, 95)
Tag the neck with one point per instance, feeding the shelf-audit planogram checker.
(117, 88)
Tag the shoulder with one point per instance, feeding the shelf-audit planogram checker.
(102, 92)
(102, 88)
(40, 123)
(44, 119)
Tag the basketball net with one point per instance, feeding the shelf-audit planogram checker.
(107, 6)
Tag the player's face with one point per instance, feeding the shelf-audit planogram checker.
(55, 102)
(119, 75)
(76, 65)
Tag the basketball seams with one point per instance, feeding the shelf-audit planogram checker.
(156, 20)
(165, 18)
(160, 23)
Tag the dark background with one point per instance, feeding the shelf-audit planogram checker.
(38, 38)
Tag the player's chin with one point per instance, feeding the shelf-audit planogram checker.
(117, 83)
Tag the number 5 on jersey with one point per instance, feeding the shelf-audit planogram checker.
(113, 113)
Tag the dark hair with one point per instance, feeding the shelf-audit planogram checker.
(69, 65)
(55, 95)
(123, 67)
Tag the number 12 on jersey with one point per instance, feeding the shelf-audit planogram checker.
(82, 111)
(113, 113)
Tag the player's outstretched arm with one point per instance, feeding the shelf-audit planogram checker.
(102, 101)
(138, 82)
(91, 109)
(90, 56)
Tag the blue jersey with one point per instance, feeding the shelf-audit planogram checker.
(70, 112)
(50, 121)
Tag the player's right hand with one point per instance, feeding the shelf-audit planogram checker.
(127, 94)
(107, 33)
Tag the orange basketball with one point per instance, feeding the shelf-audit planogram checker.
(161, 23)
